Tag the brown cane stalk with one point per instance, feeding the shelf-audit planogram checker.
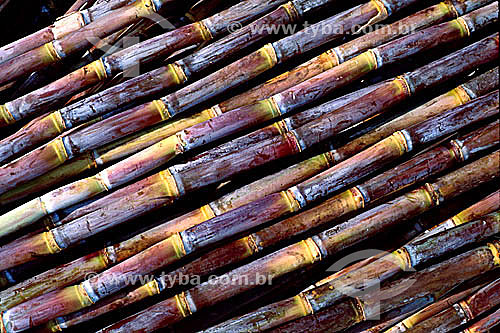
(429, 311)
(98, 261)
(288, 143)
(151, 82)
(333, 57)
(254, 191)
(200, 9)
(401, 313)
(152, 49)
(438, 279)
(46, 75)
(218, 228)
(284, 261)
(58, 49)
(240, 119)
(321, 85)
(168, 76)
(486, 324)
(327, 295)
(490, 202)
(74, 19)
(70, 233)
(458, 313)
(69, 273)
(243, 69)
(456, 97)
(258, 61)
(95, 159)
(335, 207)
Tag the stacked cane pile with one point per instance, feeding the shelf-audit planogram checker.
(254, 165)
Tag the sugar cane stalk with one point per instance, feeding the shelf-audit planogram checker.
(194, 178)
(456, 97)
(484, 325)
(472, 213)
(96, 158)
(260, 60)
(459, 313)
(269, 184)
(74, 298)
(39, 131)
(77, 269)
(321, 85)
(489, 203)
(53, 51)
(320, 321)
(154, 81)
(324, 296)
(81, 4)
(201, 8)
(333, 57)
(344, 203)
(396, 315)
(292, 142)
(48, 74)
(149, 50)
(429, 311)
(433, 281)
(287, 101)
(245, 69)
(289, 259)
(279, 52)
(337, 206)
(378, 155)
(3, 3)
(256, 190)
(72, 21)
